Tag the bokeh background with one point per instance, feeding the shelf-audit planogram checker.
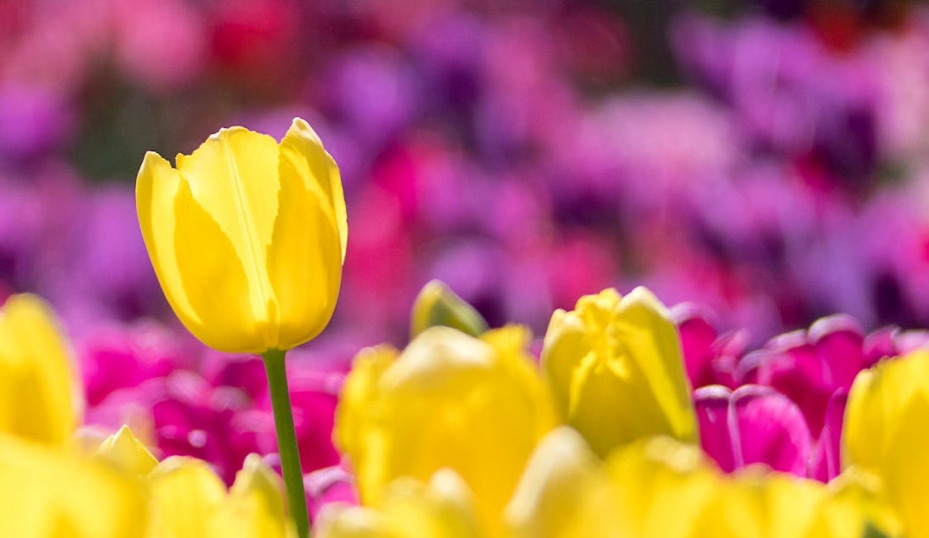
(766, 160)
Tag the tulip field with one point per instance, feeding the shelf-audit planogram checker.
(464, 269)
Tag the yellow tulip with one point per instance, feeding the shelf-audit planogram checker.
(885, 433)
(39, 397)
(247, 237)
(476, 406)
(617, 372)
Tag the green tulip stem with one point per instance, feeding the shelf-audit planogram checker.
(287, 439)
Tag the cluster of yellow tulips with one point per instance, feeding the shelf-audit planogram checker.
(463, 433)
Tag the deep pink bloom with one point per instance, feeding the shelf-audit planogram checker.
(753, 424)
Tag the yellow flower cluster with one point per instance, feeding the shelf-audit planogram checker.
(461, 436)
(54, 487)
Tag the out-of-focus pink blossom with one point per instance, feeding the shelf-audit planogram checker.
(753, 424)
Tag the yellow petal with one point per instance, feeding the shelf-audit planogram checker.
(39, 397)
(905, 467)
(255, 506)
(857, 501)
(303, 153)
(53, 493)
(305, 255)
(560, 473)
(123, 449)
(654, 478)
(449, 400)
(213, 281)
(185, 498)
(876, 404)
(157, 187)
(359, 393)
(651, 338)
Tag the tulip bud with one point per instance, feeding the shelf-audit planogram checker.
(437, 305)
(127, 452)
(616, 370)
(247, 237)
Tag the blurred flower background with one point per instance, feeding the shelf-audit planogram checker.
(765, 160)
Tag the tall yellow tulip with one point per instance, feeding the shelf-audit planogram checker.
(247, 237)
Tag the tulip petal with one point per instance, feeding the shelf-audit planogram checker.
(213, 283)
(712, 408)
(905, 469)
(547, 496)
(233, 178)
(650, 334)
(655, 478)
(565, 342)
(304, 263)
(825, 463)
(876, 402)
(156, 189)
(772, 430)
(127, 452)
(255, 506)
(302, 151)
(38, 391)
(185, 494)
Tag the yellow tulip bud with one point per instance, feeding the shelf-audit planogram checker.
(885, 433)
(127, 452)
(476, 406)
(247, 237)
(616, 369)
(39, 397)
(438, 305)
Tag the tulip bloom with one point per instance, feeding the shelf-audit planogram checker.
(475, 406)
(38, 386)
(615, 366)
(247, 237)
